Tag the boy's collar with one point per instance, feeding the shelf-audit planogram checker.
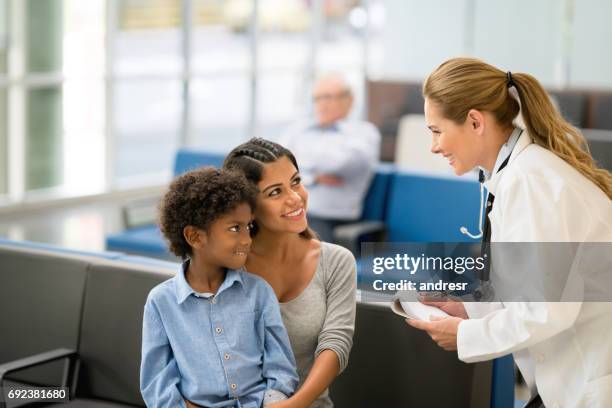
(183, 290)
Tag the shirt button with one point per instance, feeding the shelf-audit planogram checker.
(214, 301)
(226, 356)
(541, 358)
(233, 386)
(218, 330)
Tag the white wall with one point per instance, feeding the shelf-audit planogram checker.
(419, 35)
(560, 42)
(521, 36)
(591, 54)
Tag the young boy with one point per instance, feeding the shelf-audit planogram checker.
(213, 334)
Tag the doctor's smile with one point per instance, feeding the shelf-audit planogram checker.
(450, 159)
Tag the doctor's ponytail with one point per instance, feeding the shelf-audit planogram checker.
(487, 88)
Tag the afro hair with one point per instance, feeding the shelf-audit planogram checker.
(198, 198)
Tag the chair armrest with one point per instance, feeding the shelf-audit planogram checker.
(351, 235)
(35, 360)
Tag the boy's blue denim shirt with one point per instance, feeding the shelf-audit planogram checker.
(224, 350)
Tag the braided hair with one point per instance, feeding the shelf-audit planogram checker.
(250, 159)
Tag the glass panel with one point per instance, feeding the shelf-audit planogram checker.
(377, 14)
(84, 123)
(62, 131)
(221, 36)
(341, 49)
(44, 144)
(3, 144)
(148, 37)
(341, 38)
(281, 99)
(84, 36)
(84, 149)
(219, 112)
(284, 31)
(44, 35)
(147, 118)
(283, 89)
(4, 39)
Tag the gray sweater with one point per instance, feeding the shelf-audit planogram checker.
(322, 317)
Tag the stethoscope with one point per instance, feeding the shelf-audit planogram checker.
(481, 180)
(464, 230)
(485, 291)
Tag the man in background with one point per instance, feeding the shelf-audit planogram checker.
(337, 157)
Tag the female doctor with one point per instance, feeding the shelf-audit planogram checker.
(546, 188)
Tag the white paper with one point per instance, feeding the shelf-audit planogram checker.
(416, 310)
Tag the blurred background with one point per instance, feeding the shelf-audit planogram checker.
(96, 96)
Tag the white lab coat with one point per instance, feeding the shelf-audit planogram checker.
(565, 349)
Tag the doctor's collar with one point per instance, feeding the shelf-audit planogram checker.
(504, 153)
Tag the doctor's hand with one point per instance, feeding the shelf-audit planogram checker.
(450, 306)
(442, 330)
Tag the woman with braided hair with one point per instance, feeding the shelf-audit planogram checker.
(543, 187)
(314, 281)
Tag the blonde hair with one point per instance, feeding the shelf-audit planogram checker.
(461, 84)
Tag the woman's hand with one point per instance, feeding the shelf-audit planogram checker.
(442, 330)
(288, 403)
(280, 404)
(450, 306)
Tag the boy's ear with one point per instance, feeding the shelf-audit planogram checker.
(195, 237)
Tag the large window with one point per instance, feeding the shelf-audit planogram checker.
(146, 63)
(44, 29)
(407, 39)
(4, 39)
(97, 95)
(221, 44)
(212, 73)
(3, 144)
(284, 62)
(51, 98)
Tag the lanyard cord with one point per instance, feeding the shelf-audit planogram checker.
(485, 248)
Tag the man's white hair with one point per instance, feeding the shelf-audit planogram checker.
(335, 77)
